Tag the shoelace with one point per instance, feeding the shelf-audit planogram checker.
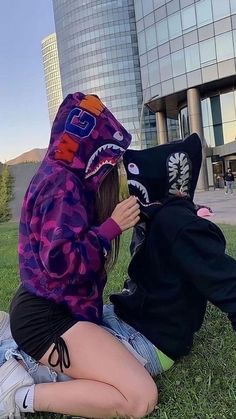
(63, 359)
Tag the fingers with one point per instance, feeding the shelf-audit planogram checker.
(133, 222)
(129, 202)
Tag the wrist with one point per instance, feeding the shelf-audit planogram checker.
(110, 229)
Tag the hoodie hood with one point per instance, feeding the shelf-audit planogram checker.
(87, 138)
(164, 171)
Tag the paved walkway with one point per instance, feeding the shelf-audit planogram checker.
(223, 206)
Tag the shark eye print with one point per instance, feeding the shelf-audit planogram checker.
(179, 173)
(133, 168)
(118, 136)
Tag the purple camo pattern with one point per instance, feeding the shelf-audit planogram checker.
(61, 249)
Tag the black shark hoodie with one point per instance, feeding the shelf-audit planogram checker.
(179, 259)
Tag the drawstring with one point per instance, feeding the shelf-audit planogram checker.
(63, 359)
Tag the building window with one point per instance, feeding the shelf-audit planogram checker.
(162, 31)
(221, 9)
(188, 19)
(184, 122)
(159, 3)
(151, 38)
(165, 68)
(154, 73)
(233, 6)
(147, 7)
(227, 101)
(138, 9)
(142, 43)
(224, 46)
(204, 12)
(207, 52)
(192, 57)
(174, 24)
(178, 63)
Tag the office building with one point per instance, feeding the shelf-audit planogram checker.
(187, 54)
(98, 53)
(52, 74)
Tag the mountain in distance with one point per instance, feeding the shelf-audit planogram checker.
(35, 155)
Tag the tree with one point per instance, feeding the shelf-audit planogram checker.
(5, 194)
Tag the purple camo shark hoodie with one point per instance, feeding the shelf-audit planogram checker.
(61, 250)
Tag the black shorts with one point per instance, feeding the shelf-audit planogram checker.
(37, 323)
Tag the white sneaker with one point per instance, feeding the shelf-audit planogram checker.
(12, 377)
(5, 331)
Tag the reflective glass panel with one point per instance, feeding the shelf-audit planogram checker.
(228, 107)
(192, 57)
(224, 46)
(138, 9)
(165, 68)
(162, 31)
(178, 63)
(207, 51)
(233, 6)
(154, 73)
(188, 18)
(229, 132)
(174, 24)
(204, 12)
(220, 9)
(151, 39)
(234, 39)
(141, 42)
(159, 3)
(147, 7)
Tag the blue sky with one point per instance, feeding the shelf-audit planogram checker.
(24, 122)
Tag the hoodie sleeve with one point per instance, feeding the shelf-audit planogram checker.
(199, 251)
(72, 252)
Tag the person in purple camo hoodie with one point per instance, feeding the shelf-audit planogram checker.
(70, 217)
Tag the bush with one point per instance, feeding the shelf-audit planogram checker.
(6, 182)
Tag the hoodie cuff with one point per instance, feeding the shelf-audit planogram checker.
(109, 229)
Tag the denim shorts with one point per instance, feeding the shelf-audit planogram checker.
(135, 342)
(39, 372)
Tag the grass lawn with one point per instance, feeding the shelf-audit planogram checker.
(201, 386)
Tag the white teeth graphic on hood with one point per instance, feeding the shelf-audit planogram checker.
(179, 174)
(103, 162)
(141, 188)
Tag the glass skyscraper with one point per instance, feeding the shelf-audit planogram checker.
(52, 74)
(98, 53)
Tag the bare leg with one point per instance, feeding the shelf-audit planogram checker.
(108, 380)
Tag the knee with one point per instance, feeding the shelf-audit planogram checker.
(143, 402)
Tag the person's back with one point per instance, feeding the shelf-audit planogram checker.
(163, 305)
(182, 262)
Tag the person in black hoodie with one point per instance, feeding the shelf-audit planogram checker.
(229, 181)
(179, 260)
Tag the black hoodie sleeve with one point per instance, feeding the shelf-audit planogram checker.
(199, 251)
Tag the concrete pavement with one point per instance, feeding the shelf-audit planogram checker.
(223, 206)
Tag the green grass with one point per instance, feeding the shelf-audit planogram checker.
(202, 385)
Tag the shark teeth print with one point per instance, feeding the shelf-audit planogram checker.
(107, 160)
(142, 189)
(179, 171)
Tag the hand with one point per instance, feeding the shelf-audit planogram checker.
(126, 213)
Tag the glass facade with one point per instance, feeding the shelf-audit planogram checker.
(219, 118)
(52, 74)
(98, 52)
(192, 39)
(185, 44)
